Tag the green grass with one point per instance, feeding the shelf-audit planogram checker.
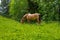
(13, 30)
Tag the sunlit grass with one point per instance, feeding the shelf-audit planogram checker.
(13, 30)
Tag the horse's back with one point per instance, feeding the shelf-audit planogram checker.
(37, 13)
(33, 16)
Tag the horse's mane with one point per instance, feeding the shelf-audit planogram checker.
(25, 15)
(23, 18)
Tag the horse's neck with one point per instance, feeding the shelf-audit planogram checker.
(25, 16)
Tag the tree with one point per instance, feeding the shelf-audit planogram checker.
(18, 8)
(47, 8)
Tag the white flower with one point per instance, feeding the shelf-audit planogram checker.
(0, 2)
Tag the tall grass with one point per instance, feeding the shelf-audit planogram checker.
(13, 30)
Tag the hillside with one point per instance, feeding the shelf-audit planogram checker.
(13, 30)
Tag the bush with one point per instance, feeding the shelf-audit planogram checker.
(18, 8)
(49, 9)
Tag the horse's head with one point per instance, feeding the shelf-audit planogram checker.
(22, 20)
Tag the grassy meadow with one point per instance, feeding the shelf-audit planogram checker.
(13, 30)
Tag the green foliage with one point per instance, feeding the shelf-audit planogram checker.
(47, 8)
(13, 30)
(18, 8)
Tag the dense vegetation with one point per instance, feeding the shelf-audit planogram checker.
(49, 9)
(13, 30)
(17, 8)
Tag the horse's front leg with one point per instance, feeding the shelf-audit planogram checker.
(38, 20)
(28, 21)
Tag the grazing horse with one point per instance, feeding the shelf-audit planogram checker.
(29, 17)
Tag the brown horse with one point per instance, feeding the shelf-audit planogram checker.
(28, 17)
